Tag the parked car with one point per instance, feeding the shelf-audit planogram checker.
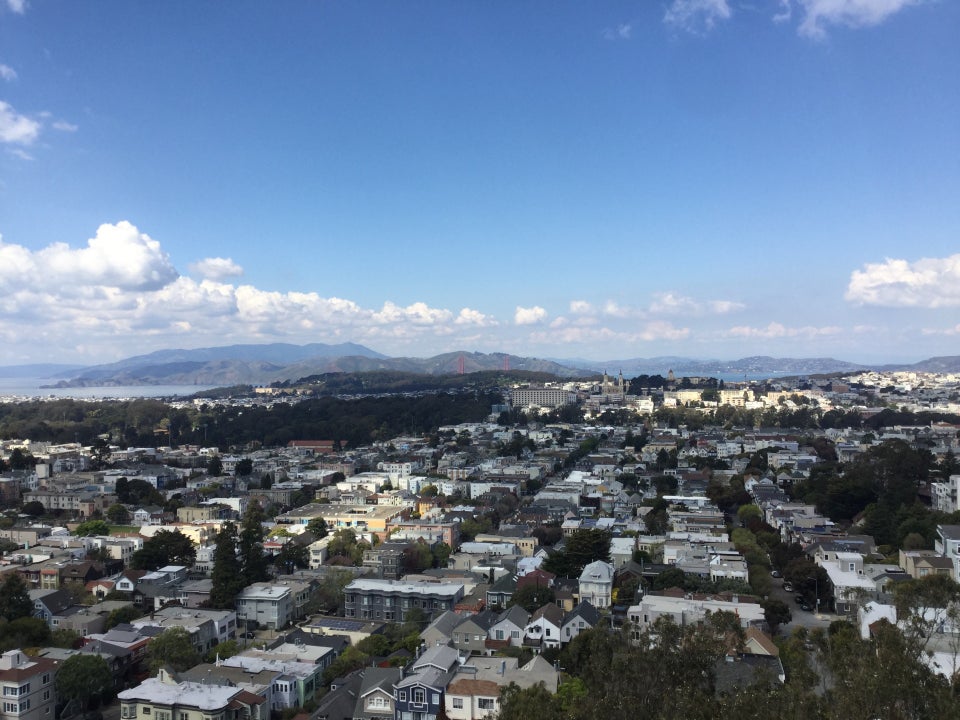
(788, 586)
(775, 573)
(805, 606)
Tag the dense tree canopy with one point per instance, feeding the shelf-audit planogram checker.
(83, 677)
(172, 648)
(167, 547)
(15, 599)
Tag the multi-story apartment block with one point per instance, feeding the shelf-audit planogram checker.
(267, 604)
(392, 600)
(27, 688)
(82, 504)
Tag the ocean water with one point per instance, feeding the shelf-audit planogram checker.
(30, 388)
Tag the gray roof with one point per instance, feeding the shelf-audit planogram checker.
(515, 614)
(442, 657)
(444, 624)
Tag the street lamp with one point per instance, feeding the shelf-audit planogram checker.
(816, 590)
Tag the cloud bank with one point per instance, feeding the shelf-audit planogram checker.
(927, 283)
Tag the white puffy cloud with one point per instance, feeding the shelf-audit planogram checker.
(926, 283)
(7, 73)
(777, 330)
(16, 128)
(670, 303)
(120, 295)
(216, 268)
(469, 316)
(581, 307)
(616, 310)
(849, 13)
(119, 256)
(529, 316)
(696, 16)
(64, 126)
(17, 6)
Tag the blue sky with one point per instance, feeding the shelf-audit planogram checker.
(709, 178)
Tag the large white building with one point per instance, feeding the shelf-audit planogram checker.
(543, 397)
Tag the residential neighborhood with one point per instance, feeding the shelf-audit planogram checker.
(455, 573)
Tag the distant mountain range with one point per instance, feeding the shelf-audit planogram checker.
(264, 364)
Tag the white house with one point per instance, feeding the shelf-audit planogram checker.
(596, 584)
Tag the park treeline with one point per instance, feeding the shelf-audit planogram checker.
(147, 423)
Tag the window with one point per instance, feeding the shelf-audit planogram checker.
(146, 709)
(418, 696)
(46, 694)
(46, 678)
(458, 703)
(402, 695)
(485, 703)
(184, 716)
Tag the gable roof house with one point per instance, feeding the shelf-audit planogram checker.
(508, 629)
(420, 695)
(544, 628)
(596, 584)
(440, 631)
(375, 699)
(470, 636)
(582, 618)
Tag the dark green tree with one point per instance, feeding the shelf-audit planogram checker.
(253, 563)
(318, 528)
(121, 615)
(24, 632)
(15, 599)
(243, 468)
(532, 597)
(167, 547)
(776, 613)
(82, 678)
(118, 514)
(34, 508)
(293, 555)
(227, 574)
(215, 466)
(92, 527)
(172, 648)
